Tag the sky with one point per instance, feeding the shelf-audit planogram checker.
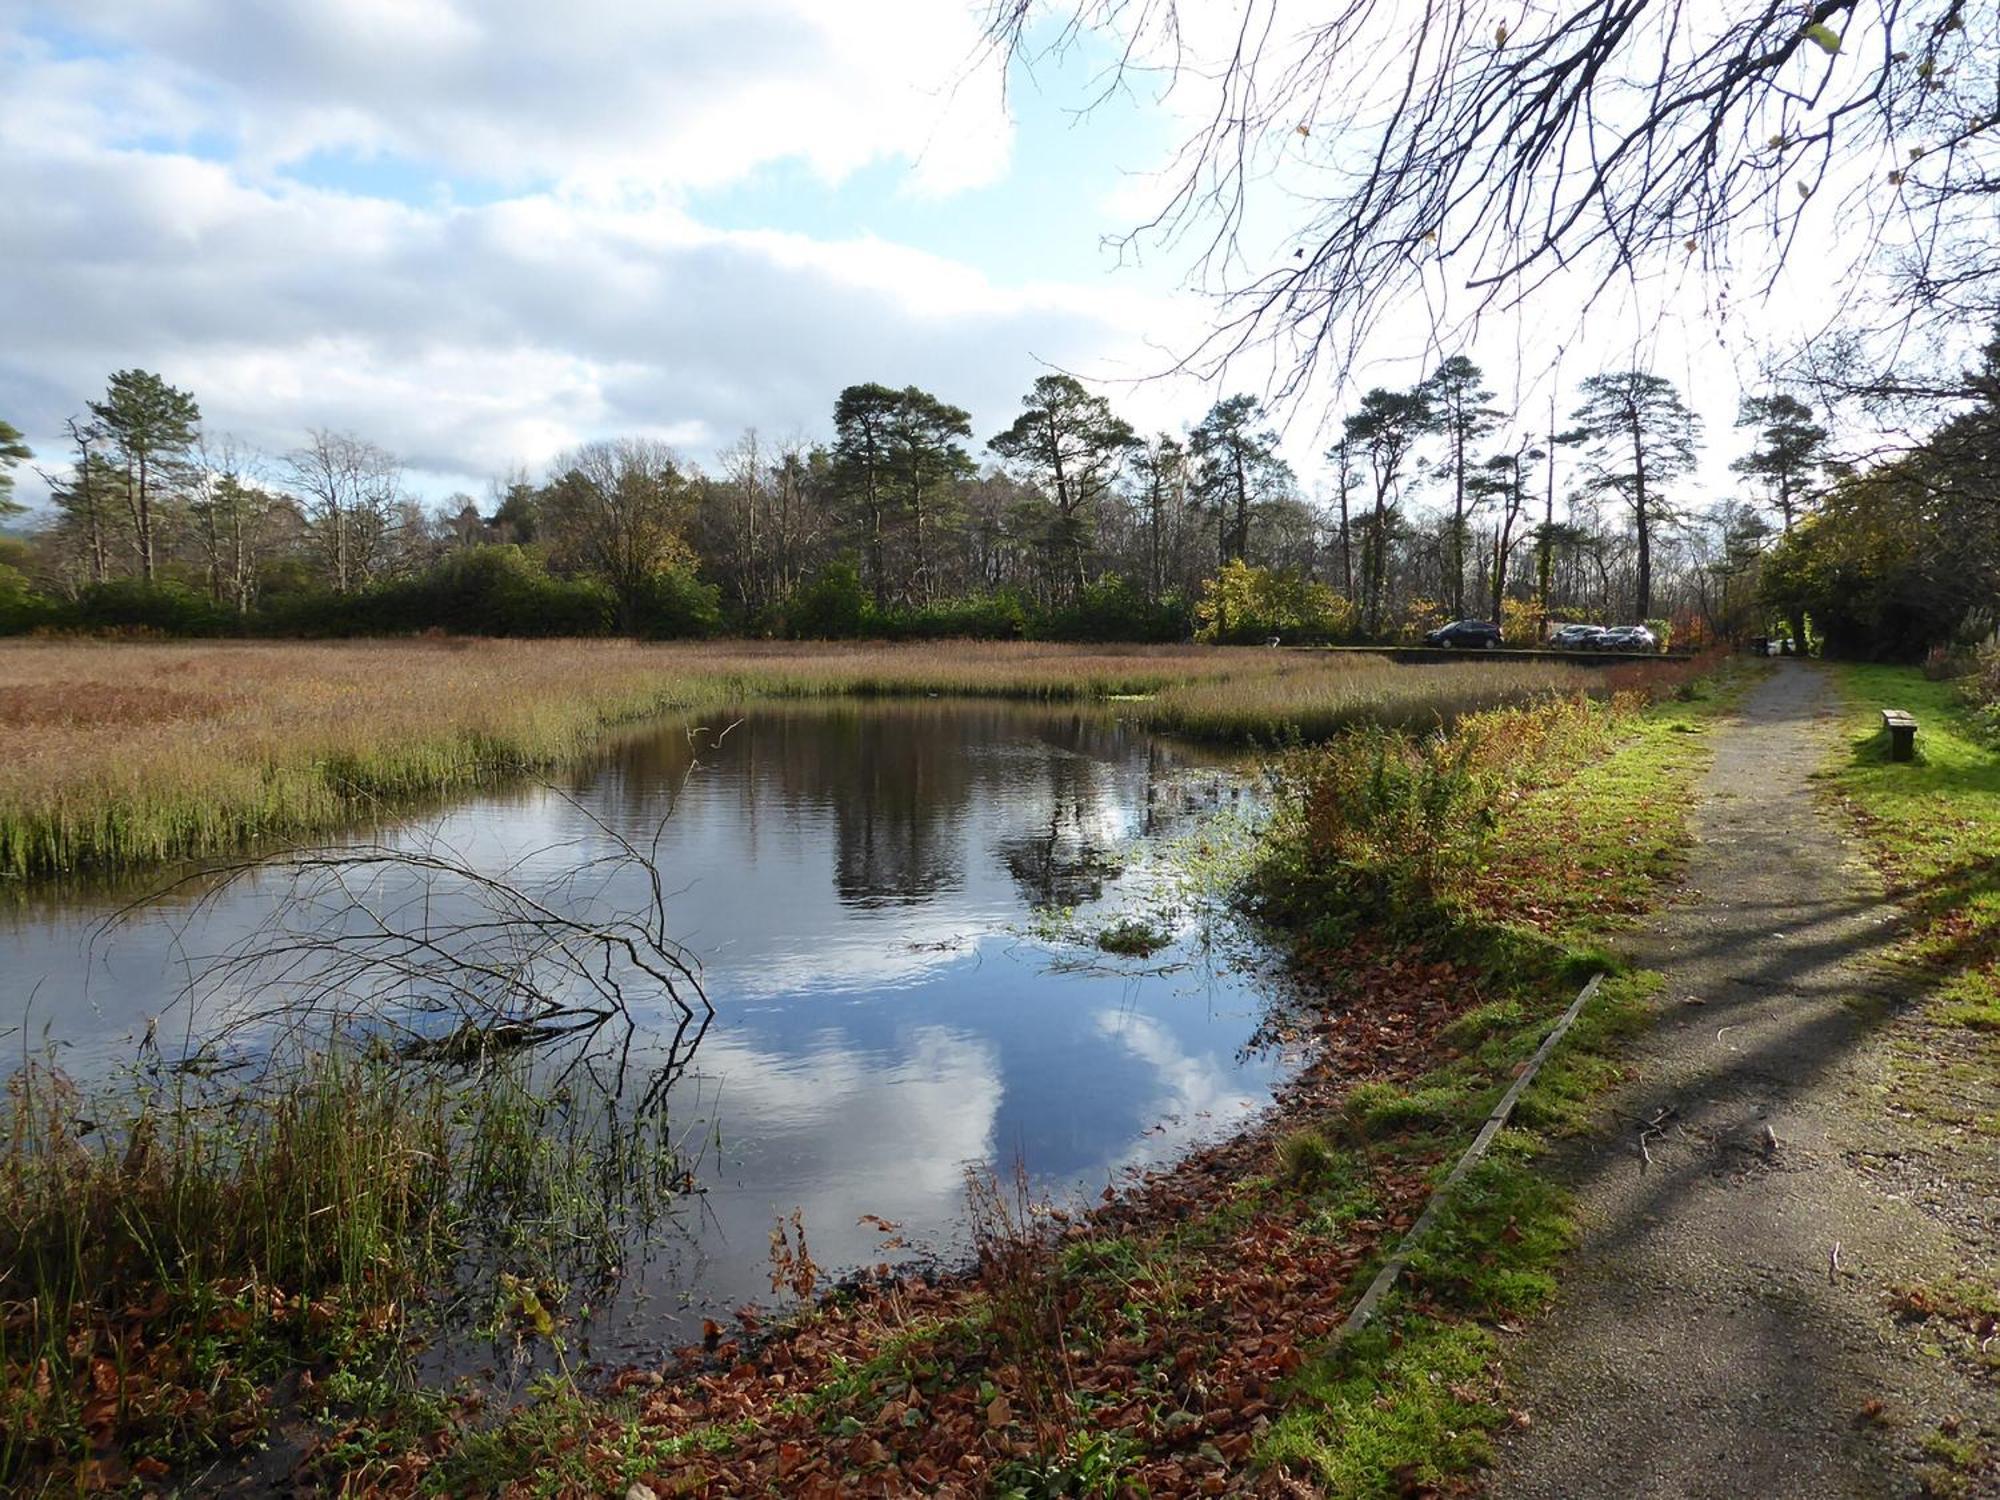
(478, 232)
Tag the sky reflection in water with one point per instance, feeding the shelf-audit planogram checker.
(858, 881)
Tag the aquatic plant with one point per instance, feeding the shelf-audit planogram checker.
(173, 1244)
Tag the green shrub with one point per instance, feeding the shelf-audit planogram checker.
(829, 607)
(486, 591)
(1113, 610)
(1243, 605)
(673, 604)
(1000, 616)
(164, 607)
(1390, 825)
(21, 608)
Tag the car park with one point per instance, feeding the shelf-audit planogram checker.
(1575, 637)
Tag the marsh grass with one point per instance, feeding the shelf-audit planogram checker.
(128, 754)
(173, 1246)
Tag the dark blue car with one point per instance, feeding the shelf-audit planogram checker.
(1479, 634)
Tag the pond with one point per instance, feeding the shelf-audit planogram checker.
(869, 889)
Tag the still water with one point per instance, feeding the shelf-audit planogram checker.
(865, 888)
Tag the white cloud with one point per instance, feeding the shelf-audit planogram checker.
(468, 338)
(152, 222)
(520, 91)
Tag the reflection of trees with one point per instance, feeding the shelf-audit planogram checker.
(900, 789)
(1063, 858)
(900, 778)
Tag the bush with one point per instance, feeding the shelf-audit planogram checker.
(827, 608)
(1981, 687)
(1521, 622)
(486, 591)
(1243, 605)
(21, 608)
(1002, 616)
(166, 608)
(1389, 825)
(674, 604)
(1113, 610)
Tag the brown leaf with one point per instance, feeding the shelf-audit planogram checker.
(999, 1412)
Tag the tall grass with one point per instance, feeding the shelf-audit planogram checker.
(126, 754)
(1313, 697)
(169, 1247)
(1389, 826)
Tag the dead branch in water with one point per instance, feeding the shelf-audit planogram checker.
(416, 945)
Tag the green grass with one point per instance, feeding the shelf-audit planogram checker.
(1933, 825)
(1576, 850)
(1133, 937)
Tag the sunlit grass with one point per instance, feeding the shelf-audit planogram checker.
(1932, 824)
(125, 754)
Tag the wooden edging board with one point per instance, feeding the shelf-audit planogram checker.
(1385, 1279)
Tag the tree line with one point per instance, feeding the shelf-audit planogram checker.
(1434, 503)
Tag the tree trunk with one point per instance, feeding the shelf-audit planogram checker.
(875, 548)
(1242, 538)
(143, 517)
(1458, 521)
(1346, 545)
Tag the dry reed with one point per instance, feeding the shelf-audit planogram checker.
(124, 754)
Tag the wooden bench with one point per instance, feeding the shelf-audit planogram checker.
(1902, 729)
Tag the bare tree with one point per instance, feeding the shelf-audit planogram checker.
(236, 521)
(449, 958)
(351, 493)
(620, 509)
(1496, 151)
(84, 500)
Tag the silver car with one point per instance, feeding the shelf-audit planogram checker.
(1629, 638)
(1575, 637)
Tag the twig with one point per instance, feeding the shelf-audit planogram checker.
(1657, 1126)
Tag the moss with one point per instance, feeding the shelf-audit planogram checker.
(1393, 1413)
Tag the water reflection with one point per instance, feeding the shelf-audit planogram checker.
(855, 881)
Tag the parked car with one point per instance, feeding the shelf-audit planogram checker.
(1480, 634)
(1629, 638)
(1575, 637)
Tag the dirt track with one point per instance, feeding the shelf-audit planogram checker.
(1704, 1342)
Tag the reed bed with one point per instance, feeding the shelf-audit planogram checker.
(1314, 697)
(123, 754)
(170, 1247)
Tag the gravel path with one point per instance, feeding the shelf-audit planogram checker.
(1704, 1342)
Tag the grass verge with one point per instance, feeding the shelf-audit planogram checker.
(1932, 826)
